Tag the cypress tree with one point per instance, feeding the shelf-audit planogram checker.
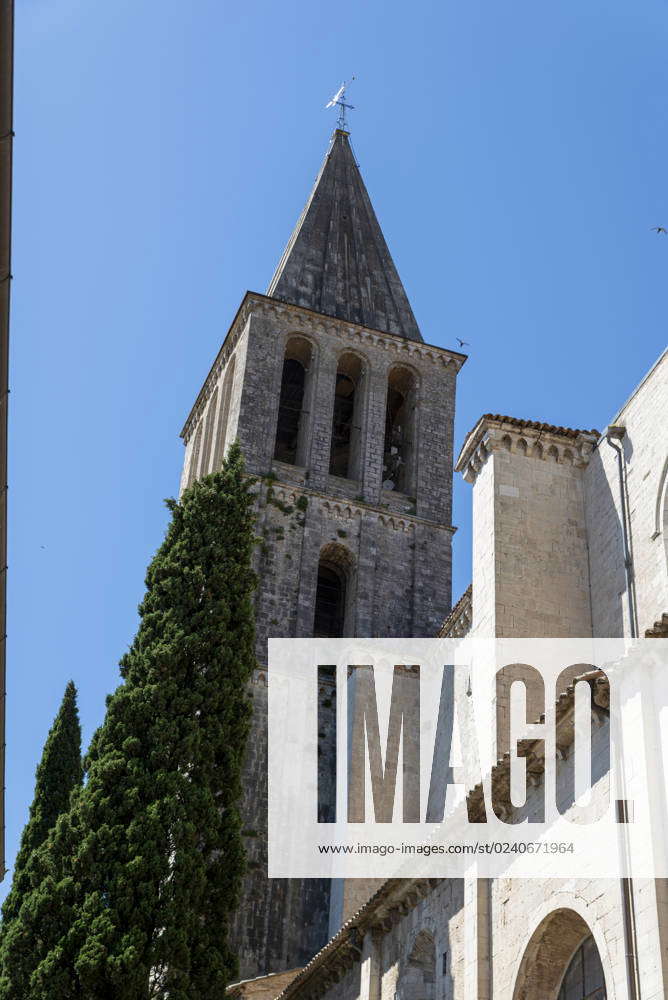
(138, 881)
(58, 773)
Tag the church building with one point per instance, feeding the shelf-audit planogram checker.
(345, 417)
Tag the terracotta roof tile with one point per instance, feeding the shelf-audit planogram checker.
(538, 426)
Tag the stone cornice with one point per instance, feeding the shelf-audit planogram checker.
(660, 628)
(305, 320)
(529, 438)
(347, 510)
(228, 346)
(394, 899)
(458, 623)
(534, 750)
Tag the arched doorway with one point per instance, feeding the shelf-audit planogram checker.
(561, 961)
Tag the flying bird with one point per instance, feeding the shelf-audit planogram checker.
(659, 229)
(462, 343)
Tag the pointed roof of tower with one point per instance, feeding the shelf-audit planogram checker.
(337, 261)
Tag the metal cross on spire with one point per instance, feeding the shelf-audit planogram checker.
(339, 100)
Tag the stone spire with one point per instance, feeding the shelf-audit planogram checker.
(337, 261)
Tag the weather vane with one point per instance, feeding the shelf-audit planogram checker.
(339, 100)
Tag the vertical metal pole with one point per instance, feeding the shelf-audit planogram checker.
(6, 137)
(614, 436)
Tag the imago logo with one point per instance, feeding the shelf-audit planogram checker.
(519, 693)
(516, 757)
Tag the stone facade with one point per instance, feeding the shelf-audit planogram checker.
(570, 539)
(264, 987)
(644, 484)
(549, 554)
(487, 939)
(551, 510)
(362, 489)
(530, 554)
(394, 547)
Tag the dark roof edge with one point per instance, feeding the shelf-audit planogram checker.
(661, 358)
(457, 608)
(236, 989)
(538, 426)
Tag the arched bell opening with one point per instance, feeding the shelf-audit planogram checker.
(399, 460)
(292, 426)
(345, 456)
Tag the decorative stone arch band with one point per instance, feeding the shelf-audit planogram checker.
(542, 442)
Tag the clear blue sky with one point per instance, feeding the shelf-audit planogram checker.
(516, 154)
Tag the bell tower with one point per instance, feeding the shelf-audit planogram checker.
(345, 416)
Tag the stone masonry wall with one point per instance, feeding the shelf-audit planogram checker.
(645, 453)
(548, 549)
(395, 547)
(546, 533)
(530, 568)
(505, 938)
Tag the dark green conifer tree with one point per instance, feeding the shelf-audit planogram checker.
(137, 883)
(58, 773)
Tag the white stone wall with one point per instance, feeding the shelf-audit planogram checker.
(484, 562)
(441, 915)
(530, 561)
(505, 939)
(548, 542)
(510, 939)
(645, 450)
(548, 560)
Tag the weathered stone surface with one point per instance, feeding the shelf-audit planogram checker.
(337, 261)
(336, 305)
(549, 509)
(395, 546)
(262, 987)
(549, 559)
